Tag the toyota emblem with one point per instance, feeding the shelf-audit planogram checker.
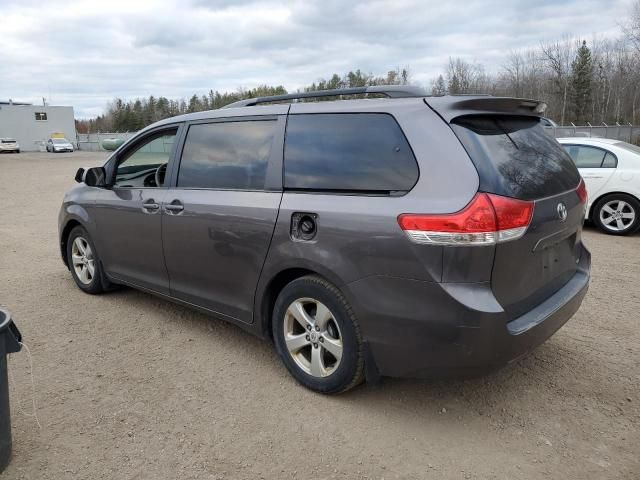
(562, 211)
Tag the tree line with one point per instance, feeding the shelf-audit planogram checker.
(581, 82)
(132, 115)
(596, 81)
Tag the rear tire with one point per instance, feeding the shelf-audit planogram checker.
(617, 214)
(84, 263)
(317, 336)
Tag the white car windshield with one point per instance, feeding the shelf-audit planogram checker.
(58, 141)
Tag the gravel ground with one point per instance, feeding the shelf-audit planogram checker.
(131, 386)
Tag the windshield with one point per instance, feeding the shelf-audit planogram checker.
(60, 140)
(629, 147)
(8, 140)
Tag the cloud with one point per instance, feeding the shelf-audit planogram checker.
(85, 53)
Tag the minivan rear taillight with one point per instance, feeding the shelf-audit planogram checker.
(488, 219)
(582, 191)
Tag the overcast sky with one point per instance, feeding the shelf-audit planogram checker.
(84, 53)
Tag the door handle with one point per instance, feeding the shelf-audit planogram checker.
(174, 207)
(150, 206)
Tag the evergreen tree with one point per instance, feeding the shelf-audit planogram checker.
(194, 104)
(454, 85)
(150, 115)
(439, 88)
(581, 75)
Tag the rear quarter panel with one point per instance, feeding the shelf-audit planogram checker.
(358, 235)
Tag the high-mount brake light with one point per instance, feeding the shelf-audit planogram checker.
(487, 219)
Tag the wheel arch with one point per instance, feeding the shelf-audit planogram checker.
(64, 238)
(270, 289)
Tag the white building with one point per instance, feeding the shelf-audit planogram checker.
(32, 125)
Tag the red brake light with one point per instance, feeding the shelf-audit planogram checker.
(477, 216)
(582, 191)
(486, 220)
(511, 213)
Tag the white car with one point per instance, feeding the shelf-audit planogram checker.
(611, 172)
(59, 145)
(9, 145)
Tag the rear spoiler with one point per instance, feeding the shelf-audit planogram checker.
(452, 106)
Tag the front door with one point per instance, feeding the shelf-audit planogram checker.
(128, 215)
(219, 217)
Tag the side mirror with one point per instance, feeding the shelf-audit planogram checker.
(95, 177)
(79, 175)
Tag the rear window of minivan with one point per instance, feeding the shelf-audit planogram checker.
(348, 152)
(515, 157)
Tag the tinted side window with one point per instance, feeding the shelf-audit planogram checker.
(348, 152)
(585, 157)
(229, 155)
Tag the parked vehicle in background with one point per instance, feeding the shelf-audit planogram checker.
(405, 236)
(9, 145)
(547, 122)
(55, 145)
(611, 171)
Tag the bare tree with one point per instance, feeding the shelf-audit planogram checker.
(514, 73)
(464, 77)
(558, 56)
(632, 27)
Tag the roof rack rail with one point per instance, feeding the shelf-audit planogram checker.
(391, 91)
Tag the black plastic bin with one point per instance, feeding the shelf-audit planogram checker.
(10, 339)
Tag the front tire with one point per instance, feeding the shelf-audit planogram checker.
(84, 263)
(617, 214)
(317, 336)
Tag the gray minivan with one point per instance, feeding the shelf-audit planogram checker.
(398, 236)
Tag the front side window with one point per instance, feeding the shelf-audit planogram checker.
(359, 152)
(227, 155)
(138, 167)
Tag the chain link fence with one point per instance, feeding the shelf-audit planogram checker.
(92, 142)
(627, 133)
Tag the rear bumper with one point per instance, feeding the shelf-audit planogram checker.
(423, 329)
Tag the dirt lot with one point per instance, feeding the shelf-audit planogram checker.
(131, 386)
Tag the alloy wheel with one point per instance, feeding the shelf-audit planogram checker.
(82, 260)
(312, 337)
(617, 215)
